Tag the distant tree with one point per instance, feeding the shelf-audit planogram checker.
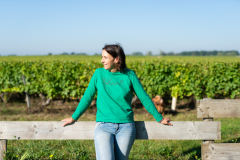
(232, 53)
(149, 53)
(170, 54)
(97, 54)
(220, 53)
(195, 53)
(137, 54)
(81, 53)
(50, 54)
(64, 53)
(162, 53)
(209, 53)
(214, 53)
(72, 53)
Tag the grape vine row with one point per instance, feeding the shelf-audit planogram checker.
(69, 79)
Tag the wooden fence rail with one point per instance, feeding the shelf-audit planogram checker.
(207, 130)
(220, 151)
(218, 108)
(37, 130)
(182, 130)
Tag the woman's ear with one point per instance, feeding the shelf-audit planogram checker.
(116, 60)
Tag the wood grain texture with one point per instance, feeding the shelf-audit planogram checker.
(207, 120)
(3, 148)
(182, 130)
(218, 108)
(220, 151)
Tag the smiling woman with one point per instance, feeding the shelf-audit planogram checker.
(115, 84)
(109, 62)
(114, 55)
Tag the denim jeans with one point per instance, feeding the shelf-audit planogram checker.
(114, 140)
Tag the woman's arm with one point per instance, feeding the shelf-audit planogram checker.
(146, 101)
(85, 101)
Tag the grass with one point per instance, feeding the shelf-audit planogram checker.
(84, 149)
(84, 58)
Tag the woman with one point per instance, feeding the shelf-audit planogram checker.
(114, 84)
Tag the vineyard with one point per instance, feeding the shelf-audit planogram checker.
(58, 79)
(69, 79)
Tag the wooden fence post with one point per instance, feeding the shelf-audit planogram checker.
(206, 120)
(207, 141)
(3, 148)
(27, 96)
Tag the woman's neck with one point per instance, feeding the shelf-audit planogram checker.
(113, 70)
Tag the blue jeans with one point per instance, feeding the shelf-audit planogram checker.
(114, 140)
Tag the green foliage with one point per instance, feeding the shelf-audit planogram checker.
(66, 79)
(186, 79)
(63, 79)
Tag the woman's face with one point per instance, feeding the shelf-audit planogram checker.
(109, 62)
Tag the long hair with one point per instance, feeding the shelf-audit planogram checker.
(116, 50)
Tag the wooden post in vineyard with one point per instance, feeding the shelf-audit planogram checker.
(174, 95)
(27, 96)
(174, 104)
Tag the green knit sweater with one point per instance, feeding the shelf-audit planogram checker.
(114, 95)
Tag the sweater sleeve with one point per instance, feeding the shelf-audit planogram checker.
(144, 97)
(87, 97)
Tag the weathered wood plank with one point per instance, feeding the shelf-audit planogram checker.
(207, 120)
(46, 130)
(218, 108)
(184, 130)
(220, 151)
(3, 148)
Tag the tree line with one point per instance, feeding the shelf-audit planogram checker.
(202, 53)
(191, 53)
(162, 53)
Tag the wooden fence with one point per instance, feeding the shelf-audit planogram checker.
(209, 109)
(206, 130)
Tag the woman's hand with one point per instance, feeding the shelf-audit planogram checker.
(68, 121)
(166, 121)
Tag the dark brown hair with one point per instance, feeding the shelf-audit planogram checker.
(116, 50)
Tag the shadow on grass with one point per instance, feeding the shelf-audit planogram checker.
(233, 140)
(193, 152)
(196, 151)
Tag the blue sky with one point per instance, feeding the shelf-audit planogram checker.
(38, 27)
